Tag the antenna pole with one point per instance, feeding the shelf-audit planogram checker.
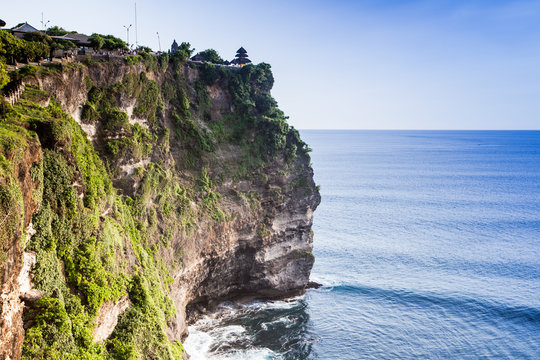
(136, 39)
(159, 42)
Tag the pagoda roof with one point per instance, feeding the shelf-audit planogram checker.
(240, 55)
(241, 51)
(2, 23)
(24, 28)
(240, 61)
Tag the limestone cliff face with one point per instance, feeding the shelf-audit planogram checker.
(19, 199)
(215, 196)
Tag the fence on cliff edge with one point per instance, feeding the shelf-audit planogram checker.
(15, 93)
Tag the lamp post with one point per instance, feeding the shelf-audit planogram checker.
(127, 31)
(159, 42)
(43, 23)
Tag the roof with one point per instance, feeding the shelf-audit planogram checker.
(240, 61)
(78, 37)
(241, 51)
(2, 23)
(198, 57)
(64, 37)
(240, 55)
(25, 27)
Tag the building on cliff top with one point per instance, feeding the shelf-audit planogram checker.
(80, 40)
(174, 46)
(241, 58)
(22, 29)
(198, 57)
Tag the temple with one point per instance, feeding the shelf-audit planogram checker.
(174, 47)
(241, 58)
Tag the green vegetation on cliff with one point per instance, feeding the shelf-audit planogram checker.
(110, 209)
(79, 249)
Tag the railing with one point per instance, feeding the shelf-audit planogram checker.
(15, 93)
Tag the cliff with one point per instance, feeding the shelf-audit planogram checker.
(135, 192)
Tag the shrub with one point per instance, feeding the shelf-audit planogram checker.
(107, 42)
(4, 78)
(208, 73)
(115, 119)
(212, 56)
(13, 49)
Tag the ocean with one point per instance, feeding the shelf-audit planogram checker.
(427, 244)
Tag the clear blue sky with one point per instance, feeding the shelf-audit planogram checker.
(369, 64)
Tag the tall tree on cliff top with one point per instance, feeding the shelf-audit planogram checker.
(107, 42)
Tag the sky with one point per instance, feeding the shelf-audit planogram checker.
(343, 64)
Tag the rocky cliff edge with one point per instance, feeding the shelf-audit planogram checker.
(141, 191)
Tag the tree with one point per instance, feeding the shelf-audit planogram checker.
(62, 44)
(107, 42)
(184, 51)
(56, 31)
(186, 47)
(96, 41)
(212, 56)
(9, 46)
(144, 49)
(4, 78)
(45, 39)
(37, 36)
(13, 49)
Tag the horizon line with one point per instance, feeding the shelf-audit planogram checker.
(356, 129)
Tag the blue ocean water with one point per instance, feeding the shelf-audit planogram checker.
(428, 247)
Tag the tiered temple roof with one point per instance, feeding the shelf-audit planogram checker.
(241, 57)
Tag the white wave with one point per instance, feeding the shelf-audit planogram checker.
(271, 305)
(251, 354)
(327, 280)
(210, 339)
(288, 321)
(199, 344)
(228, 333)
